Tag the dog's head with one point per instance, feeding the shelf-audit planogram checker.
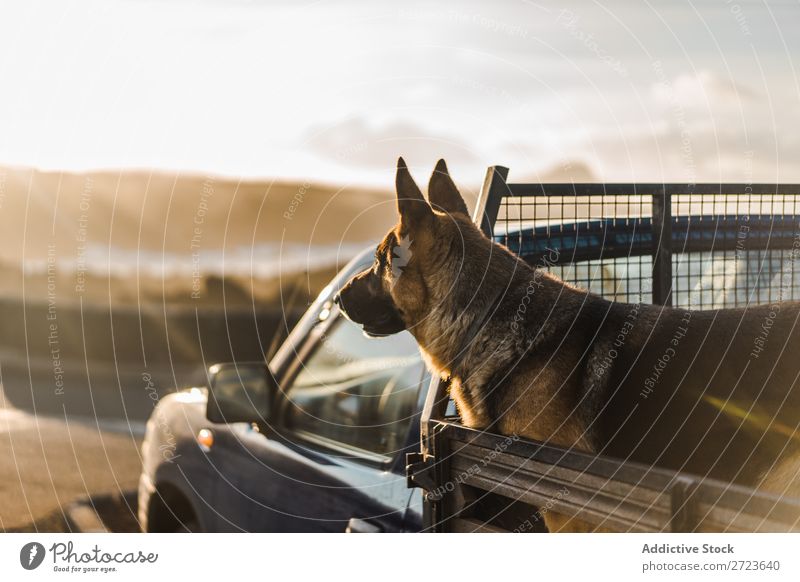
(408, 275)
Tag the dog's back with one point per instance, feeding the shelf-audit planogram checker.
(709, 392)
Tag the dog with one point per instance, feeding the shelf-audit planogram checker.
(710, 392)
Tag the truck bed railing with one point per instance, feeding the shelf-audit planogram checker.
(610, 493)
(670, 226)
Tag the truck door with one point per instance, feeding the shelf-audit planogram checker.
(333, 459)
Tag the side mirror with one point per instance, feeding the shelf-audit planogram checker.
(240, 392)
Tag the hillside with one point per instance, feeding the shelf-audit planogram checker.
(139, 236)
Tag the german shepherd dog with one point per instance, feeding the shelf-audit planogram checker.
(711, 392)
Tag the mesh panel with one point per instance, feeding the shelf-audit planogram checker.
(727, 249)
(735, 250)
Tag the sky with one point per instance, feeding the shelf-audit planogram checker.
(334, 91)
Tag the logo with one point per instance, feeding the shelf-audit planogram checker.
(402, 255)
(31, 555)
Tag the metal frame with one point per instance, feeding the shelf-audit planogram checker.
(495, 188)
(611, 493)
(621, 495)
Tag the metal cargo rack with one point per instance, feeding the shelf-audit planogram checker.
(647, 242)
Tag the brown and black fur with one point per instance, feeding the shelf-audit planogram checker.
(527, 354)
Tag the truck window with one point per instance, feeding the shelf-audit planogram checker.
(356, 391)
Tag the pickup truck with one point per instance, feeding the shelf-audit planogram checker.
(340, 432)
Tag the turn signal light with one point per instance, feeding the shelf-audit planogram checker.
(205, 438)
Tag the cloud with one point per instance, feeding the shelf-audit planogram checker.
(359, 142)
(703, 90)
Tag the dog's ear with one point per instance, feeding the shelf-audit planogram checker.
(442, 191)
(411, 205)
